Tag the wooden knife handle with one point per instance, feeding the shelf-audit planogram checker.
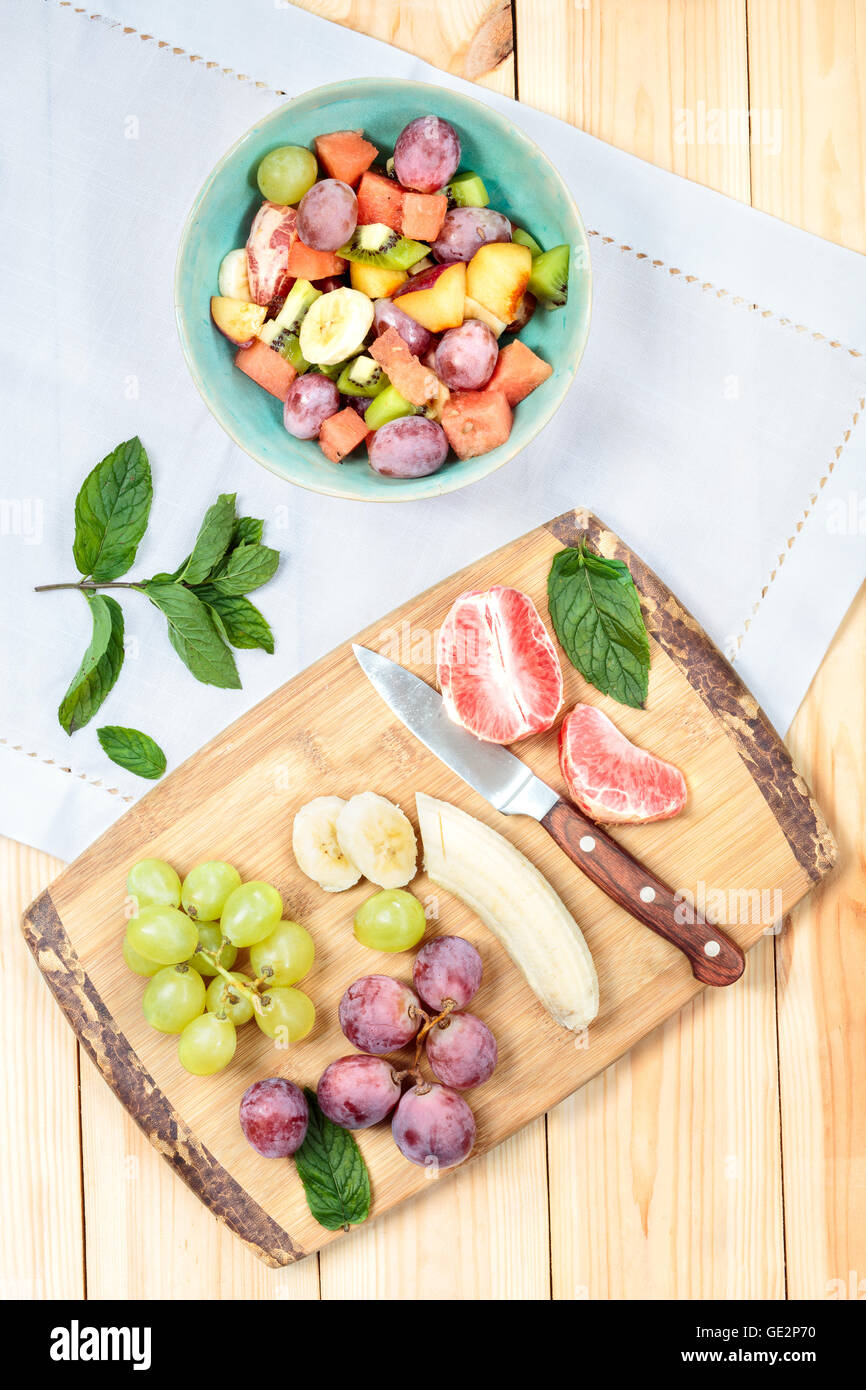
(715, 959)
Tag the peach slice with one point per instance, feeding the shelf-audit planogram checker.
(497, 277)
(438, 304)
(238, 320)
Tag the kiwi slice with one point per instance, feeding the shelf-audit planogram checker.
(467, 191)
(291, 316)
(288, 346)
(549, 278)
(376, 244)
(362, 377)
(524, 239)
(388, 405)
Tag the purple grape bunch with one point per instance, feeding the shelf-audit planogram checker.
(432, 1123)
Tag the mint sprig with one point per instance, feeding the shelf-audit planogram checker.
(595, 610)
(203, 599)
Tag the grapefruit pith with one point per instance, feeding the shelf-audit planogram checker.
(497, 667)
(610, 778)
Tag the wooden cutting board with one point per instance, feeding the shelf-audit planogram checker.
(750, 839)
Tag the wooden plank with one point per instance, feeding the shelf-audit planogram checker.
(329, 730)
(640, 1150)
(471, 38)
(632, 74)
(822, 979)
(814, 82)
(40, 1153)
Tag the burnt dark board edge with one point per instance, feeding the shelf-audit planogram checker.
(119, 1065)
(714, 679)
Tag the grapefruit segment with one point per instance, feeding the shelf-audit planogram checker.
(497, 667)
(610, 778)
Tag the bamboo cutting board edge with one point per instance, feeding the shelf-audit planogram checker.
(720, 689)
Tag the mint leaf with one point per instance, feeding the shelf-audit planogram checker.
(248, 531)
(111, 512)
(194, 635)
(335, 1177)
(595, 610)
(249, 566)
(213, 540)
(132, 750)
(242, 623)
(100, 665)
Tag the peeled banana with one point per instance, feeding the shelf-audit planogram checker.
(516, 903)
(317, 849)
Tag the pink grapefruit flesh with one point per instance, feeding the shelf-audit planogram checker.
(610, 778)
(497, 667)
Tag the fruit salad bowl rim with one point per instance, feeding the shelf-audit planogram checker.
(457, 473)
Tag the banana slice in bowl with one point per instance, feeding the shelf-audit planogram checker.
(335, 327)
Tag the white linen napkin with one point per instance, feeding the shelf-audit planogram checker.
(713, 423)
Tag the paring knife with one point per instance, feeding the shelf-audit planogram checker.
(511, 788)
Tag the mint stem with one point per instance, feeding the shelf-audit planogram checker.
(84, 585)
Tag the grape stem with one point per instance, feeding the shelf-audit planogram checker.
(448, 1007)
(248, 991)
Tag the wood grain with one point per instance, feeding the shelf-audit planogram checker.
(328, 731)
(815, 81)
(662, 1185)
(40, 1156)
(471, 38)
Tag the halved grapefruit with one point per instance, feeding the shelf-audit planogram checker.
(497, 667)
(610, 778)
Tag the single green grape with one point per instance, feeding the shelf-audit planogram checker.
(174, 997)
(153, 883)
(285, 956)
(392, 920)
(209, 936)
(285, 174)
(287, 1015)
(140, 964)
(251, 913)
(207, 1044)
(206, 888)
(222, 999)
(163, 934)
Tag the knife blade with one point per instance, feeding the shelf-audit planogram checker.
(513, 789)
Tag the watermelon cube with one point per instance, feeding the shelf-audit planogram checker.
(517, 372)
(345, 154)
(476, 421)
(380, 200)
(423, 215)
(267, 368)
(341, 433)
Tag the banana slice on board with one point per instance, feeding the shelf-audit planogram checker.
(335, 326)
(317, 849)
(374, 834)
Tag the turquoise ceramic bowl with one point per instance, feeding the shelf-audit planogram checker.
(522, 183)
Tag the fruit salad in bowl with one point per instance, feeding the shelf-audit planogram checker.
(400, 305)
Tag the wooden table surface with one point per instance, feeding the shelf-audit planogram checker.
(725, 1156)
